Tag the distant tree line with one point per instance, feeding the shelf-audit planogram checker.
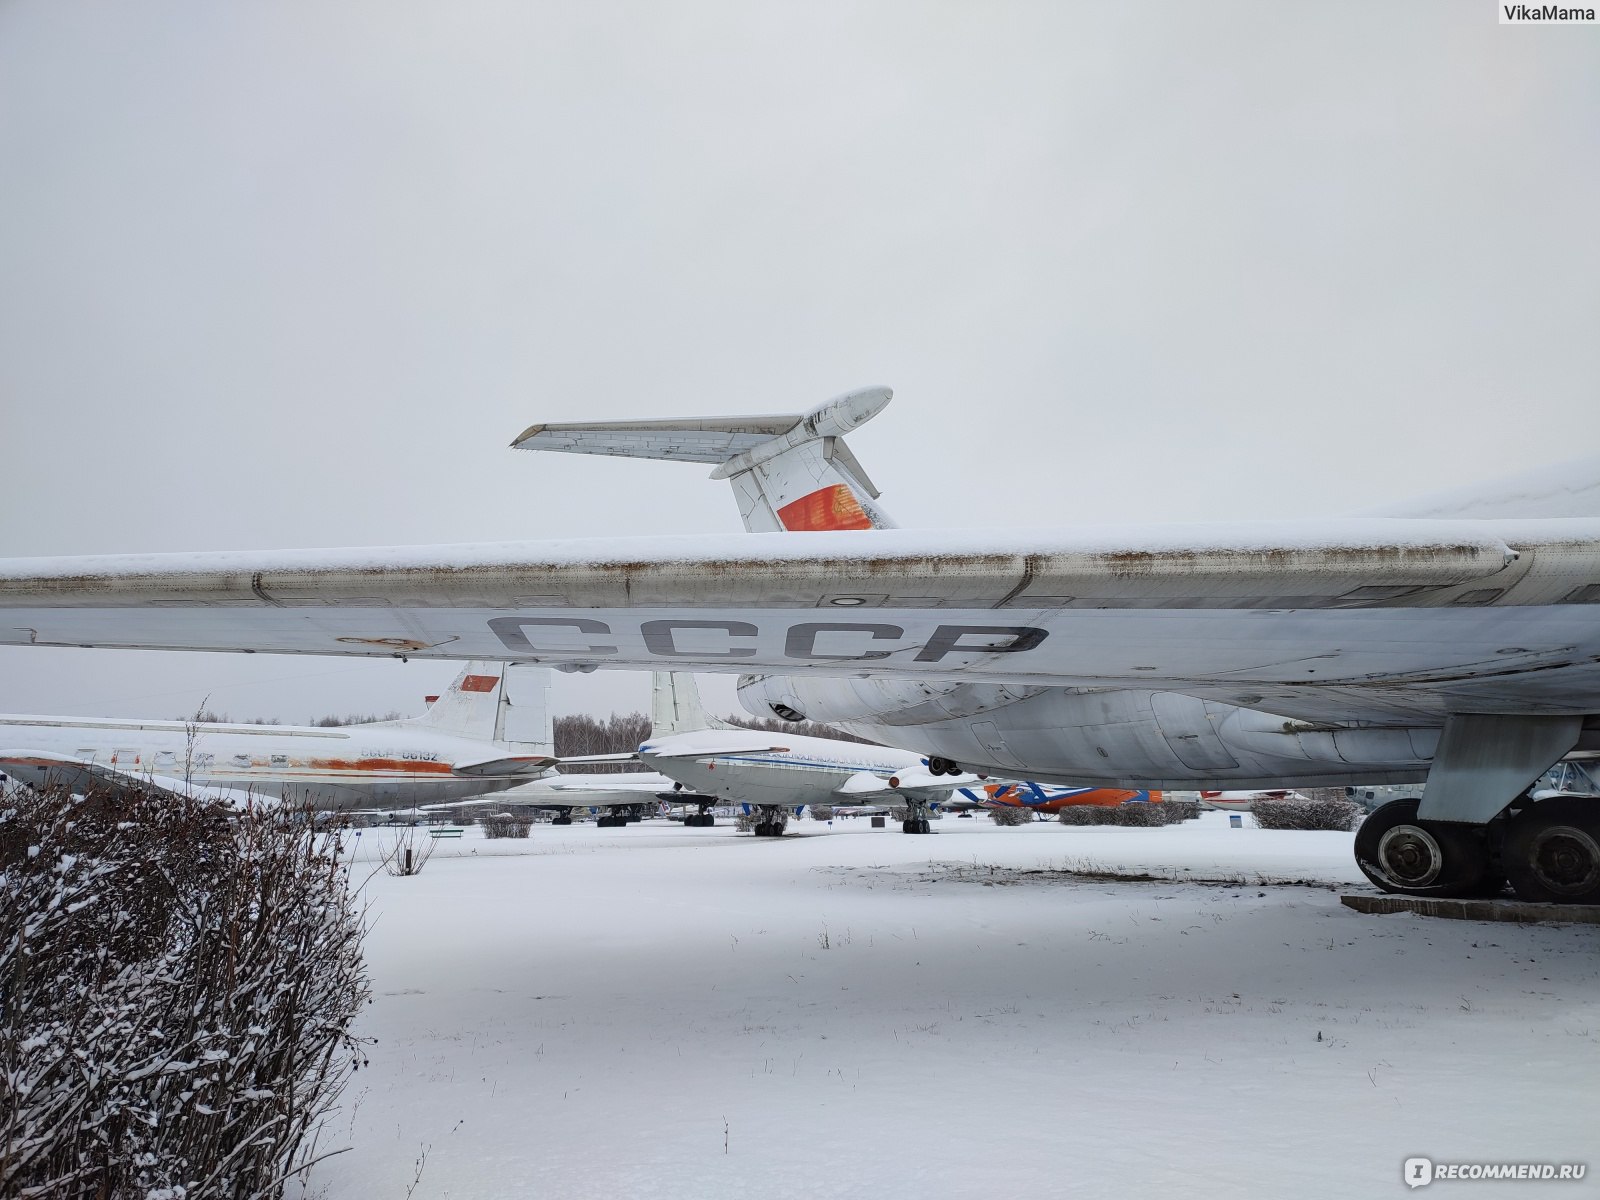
(207, 716)
(581, 734)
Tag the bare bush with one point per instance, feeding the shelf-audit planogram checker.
(1178, 811)
(1333, 813)
(504, 825)
(1011, 816)
(406, 849)
(176, 995)
(1137, 816)
(821, 812)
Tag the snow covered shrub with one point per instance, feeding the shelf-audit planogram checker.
(1136, 815)
(506, 826)
(1178, 811)
(176, 993)
(821, 812)
(1340, 814)
(1011, 816)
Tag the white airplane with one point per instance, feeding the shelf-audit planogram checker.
(776, 774)
(624, 796)
(1244, 801)
(487, 732)
(1460, 645)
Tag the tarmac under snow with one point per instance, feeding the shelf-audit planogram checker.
(667, 1012)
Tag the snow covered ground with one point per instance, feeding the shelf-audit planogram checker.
(666, 1012)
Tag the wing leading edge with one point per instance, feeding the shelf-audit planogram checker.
(1355, 603)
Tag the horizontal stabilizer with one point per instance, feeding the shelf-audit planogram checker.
(500, 766)
(711, 440)
(790, 471)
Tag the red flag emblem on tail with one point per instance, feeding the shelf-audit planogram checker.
(479, 683)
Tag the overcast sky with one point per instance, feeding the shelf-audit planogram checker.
(295, 274)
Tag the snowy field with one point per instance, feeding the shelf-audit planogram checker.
(666, 1012)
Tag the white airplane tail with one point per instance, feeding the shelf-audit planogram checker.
(675, 706)
(789, 472)
(489, 701)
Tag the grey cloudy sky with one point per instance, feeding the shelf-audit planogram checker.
(295, 274)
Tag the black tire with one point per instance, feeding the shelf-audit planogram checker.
(1401, 854)
(561, 821)
(1551, 852)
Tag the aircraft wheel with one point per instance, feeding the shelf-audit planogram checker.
(942, 766)
(1552, 852)
(1401, 854)
(561, 821)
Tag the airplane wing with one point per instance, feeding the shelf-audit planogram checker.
(913, 784)
(1309, 619)
(713, 750)
(501, 765)
(40, 769)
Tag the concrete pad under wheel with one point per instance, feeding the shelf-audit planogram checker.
(1484, 909)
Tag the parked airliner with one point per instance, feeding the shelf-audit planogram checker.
(467, 743)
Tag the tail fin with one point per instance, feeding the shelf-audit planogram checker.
(789, 472)
(470, 706)
(525, 720)
(675, 705)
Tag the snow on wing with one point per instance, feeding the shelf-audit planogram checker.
(1507, 605)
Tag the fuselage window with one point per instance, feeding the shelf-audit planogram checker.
(280, 760)
(241, 760)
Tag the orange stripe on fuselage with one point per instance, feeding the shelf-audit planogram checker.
(831, 507)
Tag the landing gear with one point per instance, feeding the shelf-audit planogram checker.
(1551, 851)
(941, 766)
(917, 817)
(700, 820)
(1400, 853)
(564, 819)
(771, 819)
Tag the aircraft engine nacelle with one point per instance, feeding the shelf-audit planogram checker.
(896, 702)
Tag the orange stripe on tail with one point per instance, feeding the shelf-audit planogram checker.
(827, 508)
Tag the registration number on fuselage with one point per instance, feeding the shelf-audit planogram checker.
(804, 641)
